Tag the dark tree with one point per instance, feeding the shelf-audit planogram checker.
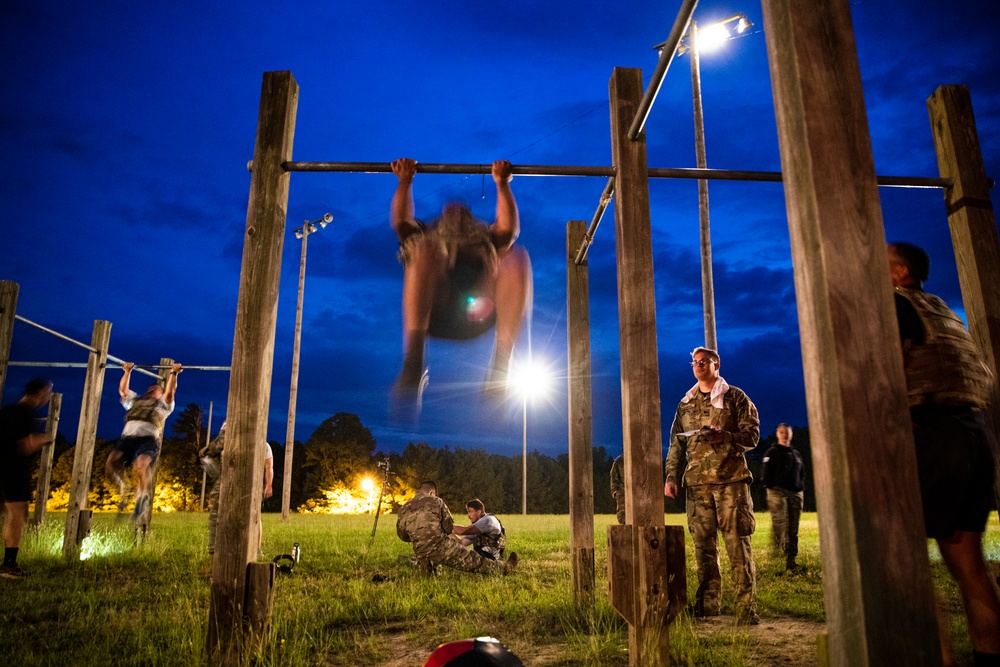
(339, 450)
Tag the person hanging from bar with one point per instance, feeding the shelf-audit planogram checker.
(139, 445)
(462, 276)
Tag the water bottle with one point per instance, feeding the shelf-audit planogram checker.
(296, 552)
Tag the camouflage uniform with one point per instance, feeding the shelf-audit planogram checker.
(213, 452)
(426, 522)
(618, 488)
(718, 491)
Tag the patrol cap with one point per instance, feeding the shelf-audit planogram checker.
(478, 652)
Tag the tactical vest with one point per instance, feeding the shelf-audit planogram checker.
(493, 544)
(145, 410)
(948, 368)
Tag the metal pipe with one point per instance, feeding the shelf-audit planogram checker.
(184, 367)
(588, 238)
(666, 55)
(438, 168)
(564, 170)
(55, 333)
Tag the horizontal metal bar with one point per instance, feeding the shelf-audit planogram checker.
(570, 170)
(69, 364)
(437, 168)
(55, 333)
(116, 360)
(188, 368)
(588, 238)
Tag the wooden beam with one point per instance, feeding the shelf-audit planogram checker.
(8, 308)
(642, 439)
(86, 435)
(45, 459)
(876, 574)
(973, 227)
(581, 448)
(253, 358)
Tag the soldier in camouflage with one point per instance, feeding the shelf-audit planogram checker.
(714, 425)
(948, 387)
(140, 442)
(426, 522)
(618, 487)
(486, 535)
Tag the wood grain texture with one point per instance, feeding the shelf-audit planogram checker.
(876, 572)
(581, 452)
(45, 459)
(8, 308)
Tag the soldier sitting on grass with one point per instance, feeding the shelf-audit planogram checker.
(426, 522)
(486, 534)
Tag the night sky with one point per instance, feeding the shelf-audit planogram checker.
(127, 130)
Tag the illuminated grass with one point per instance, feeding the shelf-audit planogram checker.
(346, 604)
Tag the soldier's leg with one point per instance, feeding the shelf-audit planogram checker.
(703, 526)
(424, 280)
(213, 513)
(737, 524)
(445, 551)
(777, 505)
(512, 296)
(795, 503)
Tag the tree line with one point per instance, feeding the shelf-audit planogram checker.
(342, 451)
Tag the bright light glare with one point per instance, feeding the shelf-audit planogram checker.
(712, 37)
(367, 485)
(530, 379)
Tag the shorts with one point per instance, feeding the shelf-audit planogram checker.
(136, 445)
(955, 468)
(15, 479)
(468, 313)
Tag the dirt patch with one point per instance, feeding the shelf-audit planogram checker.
(776, 641)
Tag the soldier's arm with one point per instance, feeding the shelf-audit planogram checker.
(747, 434)
(401, 532)
(676, 450)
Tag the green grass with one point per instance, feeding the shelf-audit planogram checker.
(346, 604)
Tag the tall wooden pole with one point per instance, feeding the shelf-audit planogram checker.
(293, 393)
(204, 473)
(45, 461)
(876, 574)
(8, 308)
(973, 227)
(86, 434)
(704, 224)
(649, 642)
(250, 382)
(581, 448)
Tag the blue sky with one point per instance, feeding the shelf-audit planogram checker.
(127, 130)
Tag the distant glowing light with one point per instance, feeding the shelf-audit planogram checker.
(712, 37)
(367, 485)
(530, 379)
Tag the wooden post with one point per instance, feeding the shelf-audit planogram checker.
(45, 462)
(8, 308)
(250, 381)
(581, 451)
(876, 574)
(973, 227)
(83, 456)
(649, 642)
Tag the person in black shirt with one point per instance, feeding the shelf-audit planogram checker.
(783, 479)
(18, 444)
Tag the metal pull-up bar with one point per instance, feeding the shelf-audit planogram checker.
(138, 367)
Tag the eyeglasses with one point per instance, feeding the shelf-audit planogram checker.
(702, 363)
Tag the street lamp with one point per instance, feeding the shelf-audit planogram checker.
(706, 38)
(530, 380)
(302, 233)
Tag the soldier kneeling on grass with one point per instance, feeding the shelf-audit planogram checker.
(426, 522)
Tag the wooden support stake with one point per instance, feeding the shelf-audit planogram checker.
(973, 227)
(259, 602)
(86, 435)
(253, 358)
(581, 451)
(45, 460)
(876, 574)
(676, 572)
(642, 440)
(8, 308)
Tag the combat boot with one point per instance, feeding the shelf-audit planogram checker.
(511, 563)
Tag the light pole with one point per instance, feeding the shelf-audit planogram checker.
(303, 233)
(531, 381)
(707, 37)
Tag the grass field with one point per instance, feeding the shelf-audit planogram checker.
(346, 604)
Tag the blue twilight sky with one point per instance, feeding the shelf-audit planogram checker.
(127, 128)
